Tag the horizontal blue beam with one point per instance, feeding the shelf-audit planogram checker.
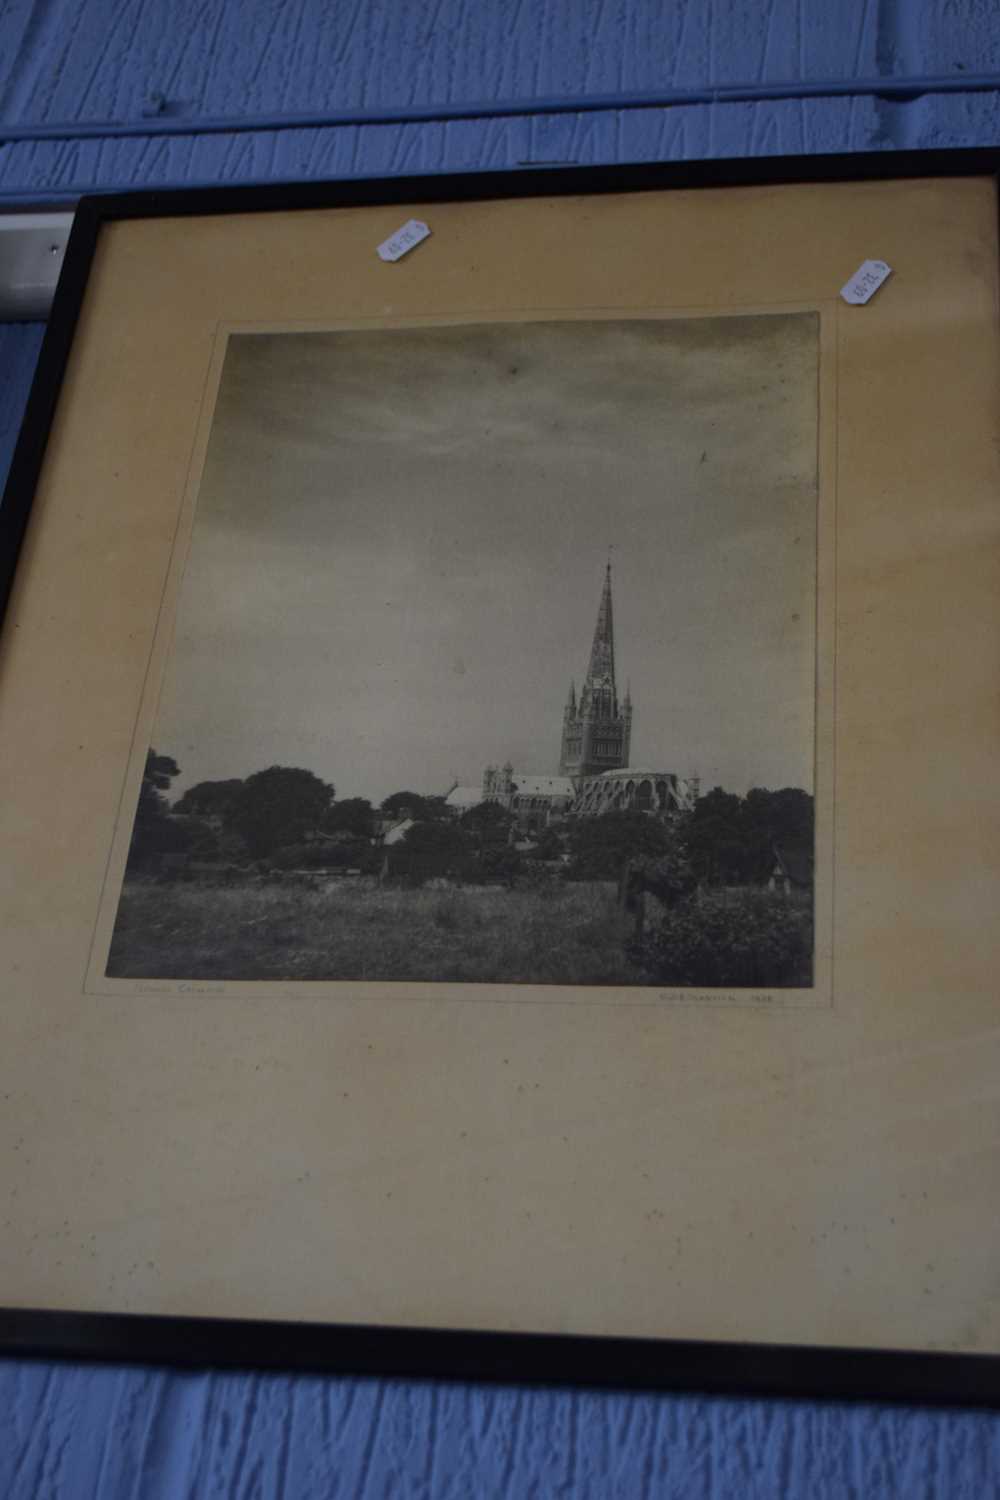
(898, 90)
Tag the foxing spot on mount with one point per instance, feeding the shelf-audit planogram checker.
(372, 758)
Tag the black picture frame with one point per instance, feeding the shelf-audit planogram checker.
(607, 1362)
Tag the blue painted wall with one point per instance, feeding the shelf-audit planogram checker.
(73, 1432)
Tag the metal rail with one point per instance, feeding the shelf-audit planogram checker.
(160, 122)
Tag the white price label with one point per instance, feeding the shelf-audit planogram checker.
(403, 241)
(865, 282)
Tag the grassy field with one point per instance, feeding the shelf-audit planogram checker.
(558, 934)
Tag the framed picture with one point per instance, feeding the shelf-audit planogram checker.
(499, 730)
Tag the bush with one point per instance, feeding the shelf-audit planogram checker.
(744, 938)
(320, 855)
(164, 834)
(488, 821)
(669, 876)
(353, 855)
(540, 878)
(353, 816)
(502, 864)
(439, 840)
(549, 847)
(601, 846)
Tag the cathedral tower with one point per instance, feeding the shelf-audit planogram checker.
(596, 729)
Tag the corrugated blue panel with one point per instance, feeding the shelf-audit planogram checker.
(123, 60)
(103, 59)
(82, 1434)
(69, 1432)
(51, 167)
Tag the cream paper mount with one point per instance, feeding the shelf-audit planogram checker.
(501, 857)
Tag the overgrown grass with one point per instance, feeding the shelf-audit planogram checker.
(554, 934)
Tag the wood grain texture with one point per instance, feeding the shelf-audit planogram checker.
(71, 1432)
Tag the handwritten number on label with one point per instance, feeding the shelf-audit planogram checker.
(400, 243)
(865, 282)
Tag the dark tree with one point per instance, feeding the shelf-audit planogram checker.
(159, 772)
(429, 850)
(354, 815)
(210, 799)
(279, 806)
(548, 846)
(600, 847)
(782, 819)
(415, 805)
(488, 822)
(446, 839)
(716, 838)
(669, 876)
(732, 839)
(153, 832)
(404, 805)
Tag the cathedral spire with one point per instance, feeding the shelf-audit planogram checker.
(601, 672)
(596, 730)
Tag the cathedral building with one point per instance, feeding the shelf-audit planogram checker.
(594, 774)
(597, 730)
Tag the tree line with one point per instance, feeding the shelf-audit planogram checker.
(239, 819)
(285, 816)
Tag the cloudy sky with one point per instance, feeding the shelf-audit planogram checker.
(401, 537)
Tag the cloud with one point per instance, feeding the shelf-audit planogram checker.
(379, 506)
